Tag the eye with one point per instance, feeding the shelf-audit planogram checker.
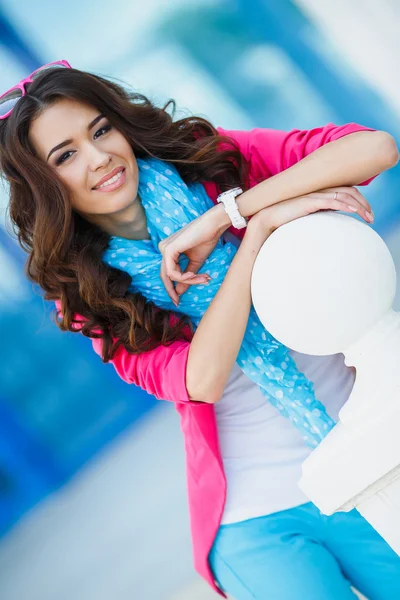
(100, 132)
(103, 130)
(63, 157)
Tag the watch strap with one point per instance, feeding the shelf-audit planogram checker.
(231, 207)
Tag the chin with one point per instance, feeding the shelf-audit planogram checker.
(120, 204)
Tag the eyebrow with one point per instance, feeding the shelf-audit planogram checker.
(69, 141)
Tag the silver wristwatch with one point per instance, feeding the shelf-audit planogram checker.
(231, 207)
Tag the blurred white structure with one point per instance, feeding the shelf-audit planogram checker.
(334, 285)
(366, 34)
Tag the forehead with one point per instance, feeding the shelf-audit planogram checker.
(64, 120)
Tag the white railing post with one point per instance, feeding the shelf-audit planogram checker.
(324, 284)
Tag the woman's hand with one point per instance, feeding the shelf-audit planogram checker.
(267, 220)
(347, 195)
(198, 239)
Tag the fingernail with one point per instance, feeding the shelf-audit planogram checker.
(352, 208)
(370, 217)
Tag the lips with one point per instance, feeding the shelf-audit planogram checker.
(107, 177)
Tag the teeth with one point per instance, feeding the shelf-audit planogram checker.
(110, 181)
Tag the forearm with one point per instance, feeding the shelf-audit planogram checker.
(217, 340)
(345, 162)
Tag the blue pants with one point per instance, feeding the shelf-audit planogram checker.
(300, 554)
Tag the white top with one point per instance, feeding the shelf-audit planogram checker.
(262, 451)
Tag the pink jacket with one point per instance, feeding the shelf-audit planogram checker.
(162, 371)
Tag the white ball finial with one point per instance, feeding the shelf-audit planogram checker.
(320, 282)
(324, 284)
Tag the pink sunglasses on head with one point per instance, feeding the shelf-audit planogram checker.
(10, 98)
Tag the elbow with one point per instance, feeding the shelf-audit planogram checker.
(202, 395)
(388, 150)
(199, 391)
(203, 382)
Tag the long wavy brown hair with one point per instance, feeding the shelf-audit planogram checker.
(65, 250)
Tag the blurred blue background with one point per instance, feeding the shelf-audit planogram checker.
(92, 490)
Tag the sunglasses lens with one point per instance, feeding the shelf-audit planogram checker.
(8, 101)
(47, 68)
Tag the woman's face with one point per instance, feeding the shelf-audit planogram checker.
(86, 151)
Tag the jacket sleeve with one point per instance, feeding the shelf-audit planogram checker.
(271, 151)
(161, 372)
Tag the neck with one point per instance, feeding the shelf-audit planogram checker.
(129, 223)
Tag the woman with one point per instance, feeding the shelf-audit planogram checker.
(91, 170)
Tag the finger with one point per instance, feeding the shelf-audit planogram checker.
(356, 199)
(350, 201)
(349, 189)
(188, 275)
(366, 210)
(172, 266)
(354, 193)
(347, 195)
(169, 286)
(357, 195)
(195, 280)
(181, 288)
(191, 269)
(189, 278)
(174, 271)
(341, 202)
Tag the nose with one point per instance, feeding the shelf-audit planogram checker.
(97, 158)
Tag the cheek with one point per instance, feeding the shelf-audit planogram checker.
(76, 180)
(127, 151)
(135, 169)
(78, 190)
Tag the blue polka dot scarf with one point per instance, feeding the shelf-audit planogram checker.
(169, 204)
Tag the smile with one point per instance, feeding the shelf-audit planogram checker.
(113, 183)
